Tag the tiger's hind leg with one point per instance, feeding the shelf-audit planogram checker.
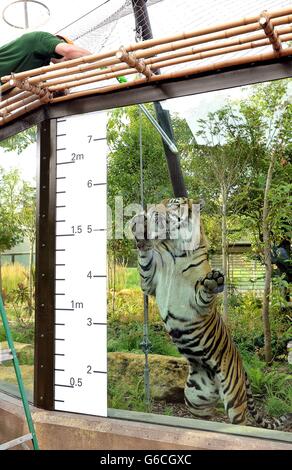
(201, 391)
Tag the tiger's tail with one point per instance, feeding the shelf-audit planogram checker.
(264, 422)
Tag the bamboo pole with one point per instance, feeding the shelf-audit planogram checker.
(44, 95)
(131, 60)
(86, 81)
(18, 104)
(178, 74)
(154, 42)
(273, 36)
(189, 56)
(155, 51)
(20, 95)
(5, 87)
(23, 110)
(201, 32)
(124, 68)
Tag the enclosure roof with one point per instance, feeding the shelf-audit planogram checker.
(265, 37)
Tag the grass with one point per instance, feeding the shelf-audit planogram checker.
(12, 275)
(132, 279)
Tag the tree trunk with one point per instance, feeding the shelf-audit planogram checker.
(224, 253)
(268, 262)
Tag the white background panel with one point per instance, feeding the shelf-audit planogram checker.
(81, 265)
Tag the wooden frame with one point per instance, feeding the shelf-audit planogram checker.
(139, 62)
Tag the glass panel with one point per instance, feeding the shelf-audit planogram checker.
(17, 244)
(227, 143)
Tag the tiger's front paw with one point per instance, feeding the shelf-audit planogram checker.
(214, 282)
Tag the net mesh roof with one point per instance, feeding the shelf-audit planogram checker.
(112, 23)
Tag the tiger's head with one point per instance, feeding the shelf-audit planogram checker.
(178, 221)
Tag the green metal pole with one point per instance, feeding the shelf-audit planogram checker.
(18, 375)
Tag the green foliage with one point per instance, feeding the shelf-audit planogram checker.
(19, 142)
(128, 338)
(272, 385)
(124, 158)
(125, 396)
(245, 323)
(10, 209)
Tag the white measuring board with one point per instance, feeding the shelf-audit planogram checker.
(81, 270)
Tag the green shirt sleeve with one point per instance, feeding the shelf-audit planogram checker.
(45, 45)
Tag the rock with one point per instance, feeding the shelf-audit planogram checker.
(25, 352)
(168, 374)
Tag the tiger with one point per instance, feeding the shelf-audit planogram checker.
(176, 271)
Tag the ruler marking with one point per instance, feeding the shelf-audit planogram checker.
(66, 235)
(99, 372)
(62, 385)
(60, 221)
(61, 135)
(60, 207)
(60, 150)
(61, 177)
(59, 370)
(61, 192)
(60, 324)
(59, 339)
(100, 138)
(60, 401)
(100, 324)
(99, 184)
(61, 120)
(58, 354)
(61, 249)
(65, 163)
(65, 309)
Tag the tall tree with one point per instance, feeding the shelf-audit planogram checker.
(221, 157)
(270, 209)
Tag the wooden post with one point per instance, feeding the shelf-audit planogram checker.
(45, 267)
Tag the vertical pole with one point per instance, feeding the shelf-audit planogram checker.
(145, 345)
(45, 267)
(144, 31)
(26, 23)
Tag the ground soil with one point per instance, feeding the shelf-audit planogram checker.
(180, 410)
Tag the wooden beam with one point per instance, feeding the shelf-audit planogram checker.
(242, 75)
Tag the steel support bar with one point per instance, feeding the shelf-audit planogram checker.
(159, 129)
